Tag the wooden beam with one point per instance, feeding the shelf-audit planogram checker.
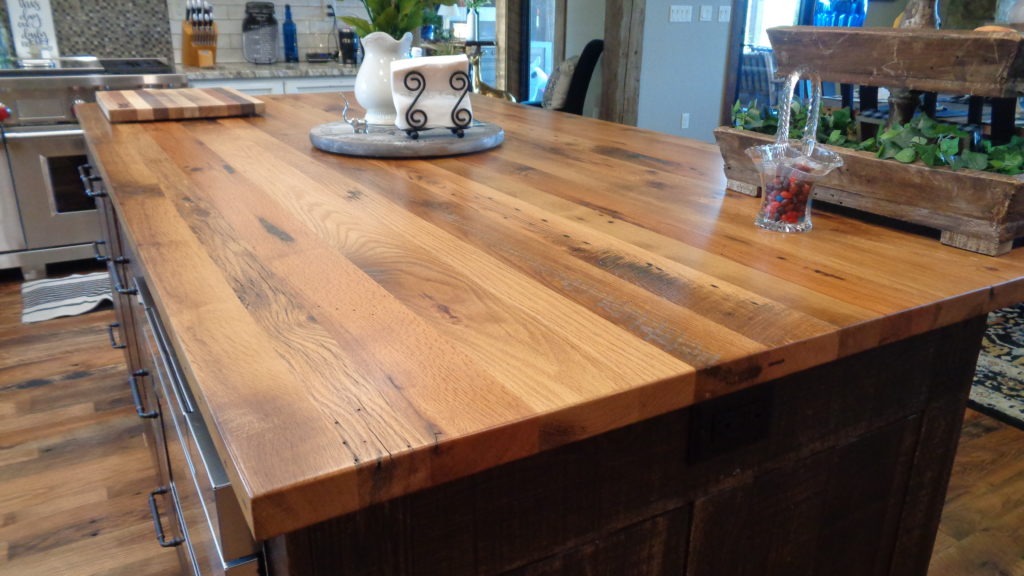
(732, 60)
(622, 61)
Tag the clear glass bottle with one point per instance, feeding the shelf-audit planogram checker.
(259, 33)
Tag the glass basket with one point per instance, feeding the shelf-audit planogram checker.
(790, 168)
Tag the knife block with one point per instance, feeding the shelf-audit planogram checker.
(198, 45)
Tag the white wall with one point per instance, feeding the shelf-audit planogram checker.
(585, 22)
(683, 70)
(309, 16)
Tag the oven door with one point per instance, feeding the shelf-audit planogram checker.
(11, 236)
(45, 161)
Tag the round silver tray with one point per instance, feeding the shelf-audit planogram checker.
(390, 142)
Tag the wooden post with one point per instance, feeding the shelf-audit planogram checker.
(902, 102)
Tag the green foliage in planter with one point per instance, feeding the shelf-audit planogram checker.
(395, 17)
(835, 127)
(922, 139)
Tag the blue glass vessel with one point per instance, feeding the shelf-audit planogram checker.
(840, 12)
(291, 45)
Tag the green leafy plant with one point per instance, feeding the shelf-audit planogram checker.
(923, 139)
(394, 17)
(835, 127)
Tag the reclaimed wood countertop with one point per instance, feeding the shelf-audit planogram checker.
(359, 329)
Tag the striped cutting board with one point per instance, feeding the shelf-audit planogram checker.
(176, 104)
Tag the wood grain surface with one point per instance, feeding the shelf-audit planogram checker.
(176, 104)
(360, 329)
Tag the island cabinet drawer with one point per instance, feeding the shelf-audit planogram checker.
(218, 537)
(107, 249)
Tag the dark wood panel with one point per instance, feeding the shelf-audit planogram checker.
(653, 547)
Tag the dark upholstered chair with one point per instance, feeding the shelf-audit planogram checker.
(579, 83)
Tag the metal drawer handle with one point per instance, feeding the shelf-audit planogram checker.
(88, 179)
(119, 286)
(96, 251)
(110, 333)
(172, 366)
(137, 398)
(45, 134)
(157, 526)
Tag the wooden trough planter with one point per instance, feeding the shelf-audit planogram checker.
(977, 211)
(947, 61)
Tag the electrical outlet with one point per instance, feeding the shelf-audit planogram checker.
(724, 13)
(706, 13)
(684, 123)
(680, 13)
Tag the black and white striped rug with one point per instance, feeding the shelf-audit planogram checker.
(55, 297)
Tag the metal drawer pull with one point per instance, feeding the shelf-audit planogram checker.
(157, 526)
(172, 366)
(118, 284)
(137, 398)
(96, 251)
(45, 134)
(88, 179)
(110, 333)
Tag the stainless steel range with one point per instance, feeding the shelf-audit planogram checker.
(44, 216)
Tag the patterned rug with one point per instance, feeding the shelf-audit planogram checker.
(55, 297)
(998, 388)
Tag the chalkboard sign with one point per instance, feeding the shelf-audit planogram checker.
(32, 28)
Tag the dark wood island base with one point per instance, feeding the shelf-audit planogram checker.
(840, 469)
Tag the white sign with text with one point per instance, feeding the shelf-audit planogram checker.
(32, 28)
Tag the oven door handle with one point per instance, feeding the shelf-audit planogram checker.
(13, 135)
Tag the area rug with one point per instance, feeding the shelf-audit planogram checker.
(56, 297)
(998, 389)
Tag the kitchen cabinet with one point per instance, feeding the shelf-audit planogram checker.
(194, 508)
(266, 86)
(574, 350)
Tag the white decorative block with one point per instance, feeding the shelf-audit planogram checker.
(431, 92)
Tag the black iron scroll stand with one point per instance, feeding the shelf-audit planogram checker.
(417, 119)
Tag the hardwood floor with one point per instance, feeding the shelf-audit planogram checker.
(74, 468)
(75, 471)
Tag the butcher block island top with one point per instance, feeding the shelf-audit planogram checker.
(358, 329)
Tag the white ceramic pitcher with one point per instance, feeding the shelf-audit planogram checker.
(373, 81)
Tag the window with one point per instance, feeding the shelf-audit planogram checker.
(765, 14)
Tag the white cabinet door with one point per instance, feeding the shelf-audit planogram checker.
(323, 84)
(253, 87)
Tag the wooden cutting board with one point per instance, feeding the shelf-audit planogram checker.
(176, 104)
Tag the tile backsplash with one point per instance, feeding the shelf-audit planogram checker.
(310, 16)
(152, 28)
(108, 28)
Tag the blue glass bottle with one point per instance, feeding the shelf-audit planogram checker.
(858, 12)
(823, 13)
(840, 12)
(291, 45)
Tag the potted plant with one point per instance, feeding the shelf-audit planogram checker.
(386, 36)
(394, 17)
